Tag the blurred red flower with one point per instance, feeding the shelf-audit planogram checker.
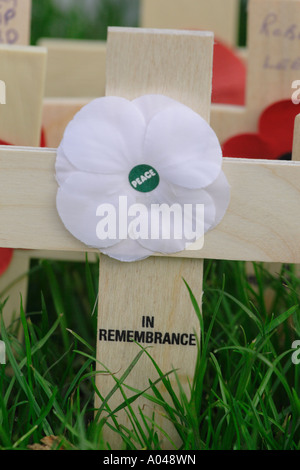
(229, 76)
(274, 138)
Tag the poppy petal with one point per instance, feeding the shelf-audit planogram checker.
(2, 142)
(248, 146)
(112, 129)
(276, 125)
(229, 76)
(183, 148)
(127, 251)
(5, 259)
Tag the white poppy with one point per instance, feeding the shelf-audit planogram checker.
(122, 163)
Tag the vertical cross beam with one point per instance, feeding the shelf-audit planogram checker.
(150, 296)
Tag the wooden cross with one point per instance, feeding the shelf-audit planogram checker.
(23, 73)
(150, 295)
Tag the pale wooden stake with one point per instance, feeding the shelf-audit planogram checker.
(15, 22)
(218, 16)
(75, 68)
(23, 71)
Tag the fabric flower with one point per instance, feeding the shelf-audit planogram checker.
(147, 154)
(274, 139)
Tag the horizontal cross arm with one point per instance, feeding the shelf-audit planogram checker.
(261, 224)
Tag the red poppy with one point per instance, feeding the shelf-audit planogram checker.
(6, 254)
(229, 76)
(274, 138)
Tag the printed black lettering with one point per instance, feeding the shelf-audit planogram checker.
(120, 335)
(149, 337)
(167, 338)
(102, 335)
(184, 339)
(192, 340)
(110, 335)
(148, 322)
(130, 336)
(157, 337)
(139, 336)
(176, 338)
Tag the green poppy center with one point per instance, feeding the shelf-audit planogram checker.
(143, 178)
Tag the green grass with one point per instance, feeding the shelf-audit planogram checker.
(50, 21)
(246, 390)
(245, 393)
